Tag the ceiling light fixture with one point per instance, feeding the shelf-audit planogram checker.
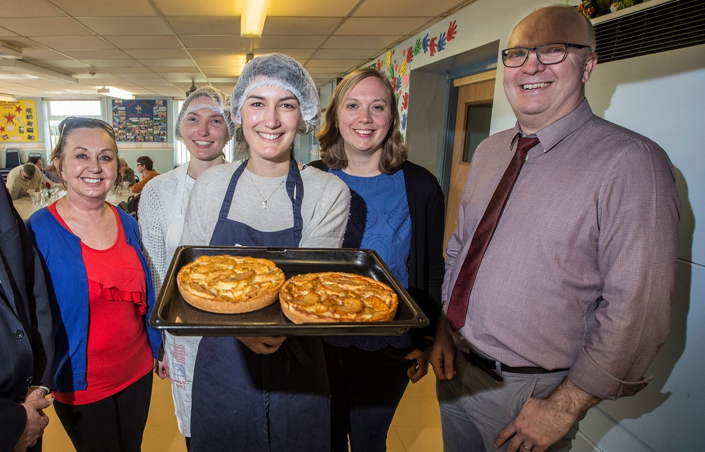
(192, 89)
(8, 97)
(9, 51)
(252, 18)
(251, 54)
(20, 67)
(115, 92)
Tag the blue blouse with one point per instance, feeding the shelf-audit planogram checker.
(379, 220)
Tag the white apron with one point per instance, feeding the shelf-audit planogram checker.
(180, 351)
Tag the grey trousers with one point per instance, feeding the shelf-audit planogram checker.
(475, 407)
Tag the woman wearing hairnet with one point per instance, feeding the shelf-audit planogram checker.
(265, 393)
(204, 126)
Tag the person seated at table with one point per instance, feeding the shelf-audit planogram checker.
(144, 167)
(24, 179)
(51, 176)
(101, 295)
(127, 174)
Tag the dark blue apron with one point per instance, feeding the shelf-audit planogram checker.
(243, 401)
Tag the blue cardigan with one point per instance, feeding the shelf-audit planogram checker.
(68, 293)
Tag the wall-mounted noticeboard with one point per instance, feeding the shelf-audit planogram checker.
(140, 120)
(18, 121)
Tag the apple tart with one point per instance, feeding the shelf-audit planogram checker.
(337, 297)
(230, 284)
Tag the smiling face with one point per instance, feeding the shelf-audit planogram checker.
(364, 117)
(205, 134)
(270, 120)
(541, 94)
(89, 165)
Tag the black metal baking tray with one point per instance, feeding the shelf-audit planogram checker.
(175, 315)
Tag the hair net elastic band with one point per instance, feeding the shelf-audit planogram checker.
(283, 71)
(205, 97)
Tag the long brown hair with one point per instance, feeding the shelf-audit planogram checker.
(394, 150)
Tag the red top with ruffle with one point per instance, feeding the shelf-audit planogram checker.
(118, 351)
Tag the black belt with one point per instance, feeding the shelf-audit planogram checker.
(490, 366)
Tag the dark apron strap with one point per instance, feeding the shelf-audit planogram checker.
(295, 189)
(228, 199)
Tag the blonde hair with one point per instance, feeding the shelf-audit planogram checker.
(394, 151)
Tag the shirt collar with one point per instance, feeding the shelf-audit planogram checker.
(554, 133)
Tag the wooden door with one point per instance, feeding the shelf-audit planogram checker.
(472, 125)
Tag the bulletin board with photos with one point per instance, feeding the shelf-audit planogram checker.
(140, 120)
(18, 121)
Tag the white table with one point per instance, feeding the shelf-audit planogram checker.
(26, 208)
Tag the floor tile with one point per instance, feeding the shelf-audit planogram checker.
(415, 428)
(427, 439)
(55, 436)
(394, 443)
(428, 384)
(416, 412)
(162, 438)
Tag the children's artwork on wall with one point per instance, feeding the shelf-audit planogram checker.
(140, 120)
(18, 121)
(398, 71)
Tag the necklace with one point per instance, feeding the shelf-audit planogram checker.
(265, 200)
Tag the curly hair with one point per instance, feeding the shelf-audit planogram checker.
(394, 151)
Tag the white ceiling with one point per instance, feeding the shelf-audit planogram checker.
(158, 47)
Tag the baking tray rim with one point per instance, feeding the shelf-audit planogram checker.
(393, 328)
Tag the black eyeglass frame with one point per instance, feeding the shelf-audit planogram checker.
(76, 122)
(538, 55)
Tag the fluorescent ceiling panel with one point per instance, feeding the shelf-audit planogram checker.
(45, 26)
(82, 8)
(119, 26)
(380, 26)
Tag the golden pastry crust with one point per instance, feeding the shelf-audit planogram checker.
(230, 284)
(337, 297)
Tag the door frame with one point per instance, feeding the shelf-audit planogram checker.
(456, 79)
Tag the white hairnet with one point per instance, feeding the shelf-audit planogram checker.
(276, 69)
(205, 97)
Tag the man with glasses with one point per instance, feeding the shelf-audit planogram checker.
(560, 275)
(144, 167)
(24, 179)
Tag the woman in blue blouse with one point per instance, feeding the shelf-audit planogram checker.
(398, 210)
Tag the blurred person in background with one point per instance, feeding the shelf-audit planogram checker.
(49, 174)
(23, 180)
(145, 168)
(101, 294)
(205, 127)
(265, 393)
(127, 174)
(398, 210)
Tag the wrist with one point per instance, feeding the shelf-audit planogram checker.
(34, 388)
(569, 399)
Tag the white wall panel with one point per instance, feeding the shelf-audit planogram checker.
(662, 97)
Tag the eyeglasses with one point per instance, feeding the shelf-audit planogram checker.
(25, 178)
(547, 54)
(76, 122)
(140, 164)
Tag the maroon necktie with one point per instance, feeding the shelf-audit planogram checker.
(458, 305)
